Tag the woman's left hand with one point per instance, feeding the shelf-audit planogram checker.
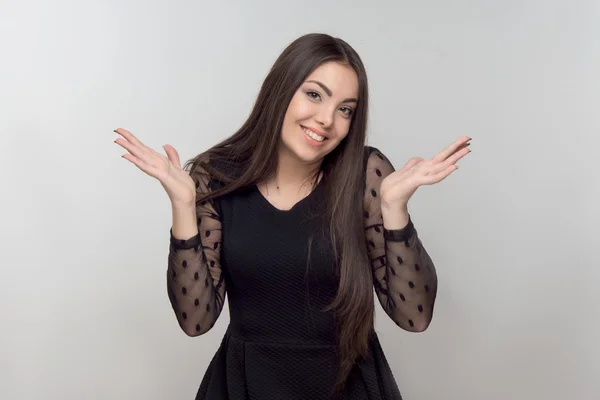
(398, 187)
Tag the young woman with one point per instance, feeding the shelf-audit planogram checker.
(297, 220)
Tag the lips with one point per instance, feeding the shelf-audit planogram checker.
(314, 134)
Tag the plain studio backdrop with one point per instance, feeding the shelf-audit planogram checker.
(514, 232)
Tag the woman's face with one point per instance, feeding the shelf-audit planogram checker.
(319, 115)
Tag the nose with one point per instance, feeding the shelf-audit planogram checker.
(325, 118)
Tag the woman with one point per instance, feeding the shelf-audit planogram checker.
(297, 221)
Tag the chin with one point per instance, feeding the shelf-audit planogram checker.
(308, 154)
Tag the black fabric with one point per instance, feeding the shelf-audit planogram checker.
(278, 270)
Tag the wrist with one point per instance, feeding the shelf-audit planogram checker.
(395, 216)
(184, 204)
(183, 208)
(185, 224)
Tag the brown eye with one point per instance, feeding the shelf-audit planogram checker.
(313, 95)
(347, 111)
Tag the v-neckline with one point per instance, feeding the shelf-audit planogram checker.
(265, 201)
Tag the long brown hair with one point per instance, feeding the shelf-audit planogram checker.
(252, 152)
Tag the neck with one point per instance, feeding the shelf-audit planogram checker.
(293, 172)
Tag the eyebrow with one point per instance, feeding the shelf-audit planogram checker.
(329, 92)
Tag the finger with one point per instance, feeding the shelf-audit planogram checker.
(453, 159)
(448, 151)
(129, 136)
(411, 163)
(138, 163)
(172, 154)
(459, 154)
(440, 176)
(400, 174)
(132, 148)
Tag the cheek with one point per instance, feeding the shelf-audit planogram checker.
(300, 109)
(342, 127)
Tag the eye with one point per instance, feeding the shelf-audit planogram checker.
(347, 111)
(313, 95)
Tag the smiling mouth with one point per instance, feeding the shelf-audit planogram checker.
(313, 135)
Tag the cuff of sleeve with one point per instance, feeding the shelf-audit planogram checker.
(400, 235)
(182, 244)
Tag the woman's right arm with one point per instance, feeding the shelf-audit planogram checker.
(195, 283)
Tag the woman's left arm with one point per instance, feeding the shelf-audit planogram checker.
(404, 275)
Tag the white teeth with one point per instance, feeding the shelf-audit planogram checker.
(313, 135)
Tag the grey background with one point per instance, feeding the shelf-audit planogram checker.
(514, 232)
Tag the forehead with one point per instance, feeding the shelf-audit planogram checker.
(341, 79)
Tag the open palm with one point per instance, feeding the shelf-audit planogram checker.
(175, 180)
(399, 186)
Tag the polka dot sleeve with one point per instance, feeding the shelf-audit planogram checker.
(195, 283)
(403, 273)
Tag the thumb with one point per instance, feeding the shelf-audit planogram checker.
(411, 163)
(172, 155)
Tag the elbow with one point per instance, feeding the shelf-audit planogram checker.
(191, 332)
(416, 325)
(194, 330)
(421, 326)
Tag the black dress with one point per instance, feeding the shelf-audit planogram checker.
(278, 270)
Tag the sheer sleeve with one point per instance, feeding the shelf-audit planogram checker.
(404, 276)
(195, 282)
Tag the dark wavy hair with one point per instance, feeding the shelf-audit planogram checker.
(253, 149)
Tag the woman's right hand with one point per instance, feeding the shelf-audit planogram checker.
(179, 185)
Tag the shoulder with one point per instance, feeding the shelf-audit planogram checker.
(376, 168)
(374, 158)
(216, 169)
